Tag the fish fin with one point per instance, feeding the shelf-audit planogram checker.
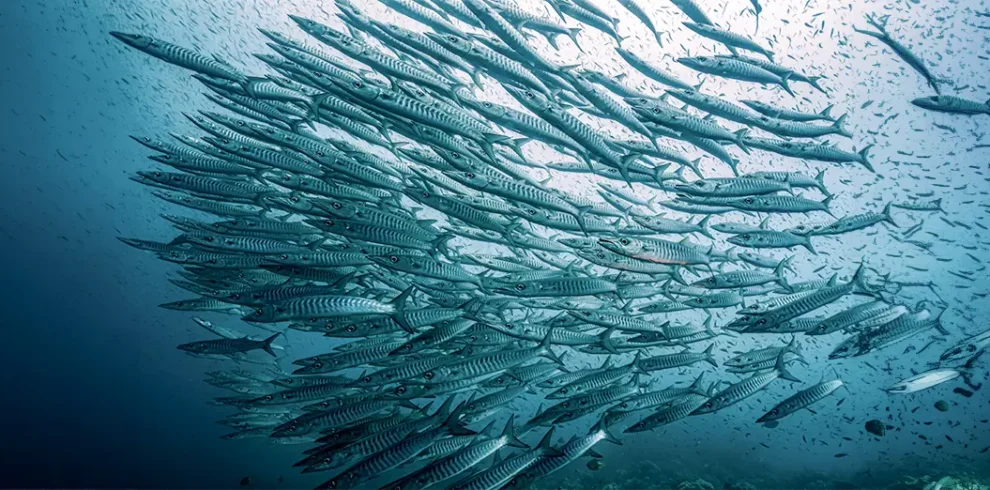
(781, 368)
(510, 434)
(606, 339)
(939, 326)
(938, 204)
(832, 281)
(601, 425)
(696, 385)
(739, 142)
(839, 128)
(399, 303)
(544, 444)
(826, 112)
(267, 344)
(785, 85)
(807, 244)
(813, 81)
(547, 351)
(572, 33)
(659, 37)
(778, 271)
(859, 278)
(887, 216)
(709, 358)
(820, 182)
(624, 166)
(863, 154)
(827, 201)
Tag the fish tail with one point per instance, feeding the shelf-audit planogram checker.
(820, 182)
(267, 344)
(839, 128)
(827, 202)
(399, 304)
(785, 85)
(863, 157)
(782, 369)
(487, 142)
(624, 166)
(859, 278)
(887, 216)
(606, 340)
(659, 37)
(709, 358)
(739, 142)
(778, 271)
(703, 227)
(547, 351)
(813, 81)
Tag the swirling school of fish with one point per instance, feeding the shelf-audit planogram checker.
(315, 176)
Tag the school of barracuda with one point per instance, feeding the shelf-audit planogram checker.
(354, 188)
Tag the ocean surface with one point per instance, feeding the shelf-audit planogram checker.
(95, 394)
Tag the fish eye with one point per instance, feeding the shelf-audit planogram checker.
(486, 104)
(320, 154)
(711, 280)
(744, 237)
(393, 259)
(749, 200)
(709, 405)
(428, 375)
(470, 175)
(774, 411)
(268, 397)
(366, 379)
(336, 205)
(520, 287)
(508, 326)
(624, 241)
(401, 390)
(318, 365)
(294, 199)
(699, 183)
(351, 328)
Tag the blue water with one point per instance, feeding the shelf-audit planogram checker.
(96, 395)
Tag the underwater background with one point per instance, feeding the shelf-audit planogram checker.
(96, 395)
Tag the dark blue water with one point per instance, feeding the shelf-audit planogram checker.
(94, 394)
